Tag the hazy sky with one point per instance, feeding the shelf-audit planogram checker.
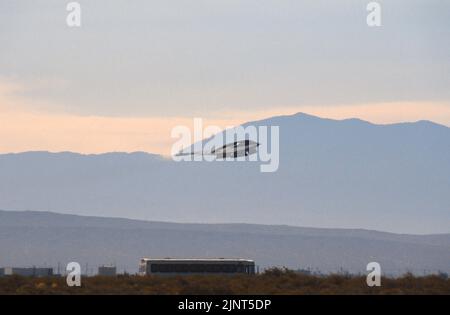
(137, 68)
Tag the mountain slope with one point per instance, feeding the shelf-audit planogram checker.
(338, 174)
(43, 238)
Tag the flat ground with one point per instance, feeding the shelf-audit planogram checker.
(270, 282)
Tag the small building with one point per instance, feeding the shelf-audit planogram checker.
(107, 270)
(2, 272)
(172, 266)
(28, 272)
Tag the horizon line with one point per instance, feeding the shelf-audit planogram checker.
(164, 155)
(220, 223)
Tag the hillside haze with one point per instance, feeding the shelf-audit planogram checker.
(332, 173)
(43, 238)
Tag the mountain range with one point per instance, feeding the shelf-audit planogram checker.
(33, 238)
(332, 174)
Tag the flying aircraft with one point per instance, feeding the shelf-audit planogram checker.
(235, 149)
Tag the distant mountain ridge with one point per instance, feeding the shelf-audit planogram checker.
(333, 173)
(43, 238)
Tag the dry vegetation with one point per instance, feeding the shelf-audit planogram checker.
(274, 281)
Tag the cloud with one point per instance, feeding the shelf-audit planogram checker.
(209, 56)
(24, 128)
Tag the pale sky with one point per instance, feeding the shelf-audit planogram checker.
(136, 69)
